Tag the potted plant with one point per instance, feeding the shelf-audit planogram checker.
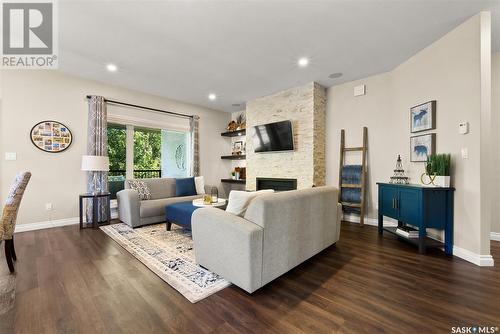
(437, 169)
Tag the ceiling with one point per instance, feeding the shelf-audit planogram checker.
(241, 50)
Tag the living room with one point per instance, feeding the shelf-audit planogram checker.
(230, 171)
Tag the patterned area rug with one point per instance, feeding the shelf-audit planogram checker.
(170, 255)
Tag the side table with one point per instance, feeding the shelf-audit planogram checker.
(95, 204)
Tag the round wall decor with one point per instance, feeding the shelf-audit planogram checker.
(51, 136)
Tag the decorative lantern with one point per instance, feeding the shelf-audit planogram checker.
(399, 176)
(215, 194)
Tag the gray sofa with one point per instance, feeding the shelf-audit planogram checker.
(135, 212)
(278, 232)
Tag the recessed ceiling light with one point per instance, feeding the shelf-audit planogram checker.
(335, 75)
(112, 67)
(212, 96)
(303, 62)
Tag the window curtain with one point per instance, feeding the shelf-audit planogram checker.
(195, 146)
(97, 144)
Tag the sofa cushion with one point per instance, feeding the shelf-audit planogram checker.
(199, 183)
(161, 188)
(156, 207)
(141, 188)
(239, 200)
(185, 187)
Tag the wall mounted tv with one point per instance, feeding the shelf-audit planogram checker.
(272, 137)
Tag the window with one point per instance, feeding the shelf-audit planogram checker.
(142, 152)
(117, 151)
(147, 153)
(175, 153)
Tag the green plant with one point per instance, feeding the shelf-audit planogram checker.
(438, 164)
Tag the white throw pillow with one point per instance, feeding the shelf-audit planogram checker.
(239, 200)
(199, 183)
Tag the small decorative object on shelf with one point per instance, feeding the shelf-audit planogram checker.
(207, 199)
(237, 171)
(214, 192)
(243, 173)
(237, 147)
(437, 171)
(240, 121)
(399, 176)
(232, 126)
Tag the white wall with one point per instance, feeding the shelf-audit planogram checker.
(32, 96)
(495, 99)
(448, 71)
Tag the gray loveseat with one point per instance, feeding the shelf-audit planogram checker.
(278, 232)
(135, 212)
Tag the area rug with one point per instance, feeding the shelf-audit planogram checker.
(170, 255)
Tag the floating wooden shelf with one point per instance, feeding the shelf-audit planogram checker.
(234, 157)
(236, 133)
(233, 181)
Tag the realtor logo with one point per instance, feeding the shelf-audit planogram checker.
(28, 35)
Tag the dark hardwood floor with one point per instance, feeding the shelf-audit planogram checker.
(72, 281)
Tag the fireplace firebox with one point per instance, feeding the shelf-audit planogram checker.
(276, 184)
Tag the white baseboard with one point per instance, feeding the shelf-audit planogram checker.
(47, 224)
(55, 223)
(477, 259)
(368, 221)
(495, 236)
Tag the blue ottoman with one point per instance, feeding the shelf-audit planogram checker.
(179, 214)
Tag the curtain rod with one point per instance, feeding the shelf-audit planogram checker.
(145, 108)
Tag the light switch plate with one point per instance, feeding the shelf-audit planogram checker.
(463, 128)
(465, 153)
(10, 156)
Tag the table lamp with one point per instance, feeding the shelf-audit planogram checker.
(95, 163)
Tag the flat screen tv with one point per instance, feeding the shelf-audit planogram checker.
(272, 137)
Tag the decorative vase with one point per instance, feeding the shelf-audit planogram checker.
(215, 194)
(435, 180)
(441, 181)
(207, 199)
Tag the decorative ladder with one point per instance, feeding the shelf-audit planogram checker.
(362, 184)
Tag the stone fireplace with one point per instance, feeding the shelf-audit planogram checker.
(305, 107)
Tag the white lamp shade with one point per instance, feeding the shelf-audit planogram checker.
(95, 163)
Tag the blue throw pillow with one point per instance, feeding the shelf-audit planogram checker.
(185, 187)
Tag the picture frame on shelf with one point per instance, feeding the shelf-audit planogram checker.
(422, 146)
(423, 117)
(237, 147)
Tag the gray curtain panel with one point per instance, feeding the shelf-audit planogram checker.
(97, 144)
(195, 145)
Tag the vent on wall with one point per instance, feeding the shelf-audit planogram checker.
(360, 90)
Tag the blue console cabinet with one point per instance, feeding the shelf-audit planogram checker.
(421, 207)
